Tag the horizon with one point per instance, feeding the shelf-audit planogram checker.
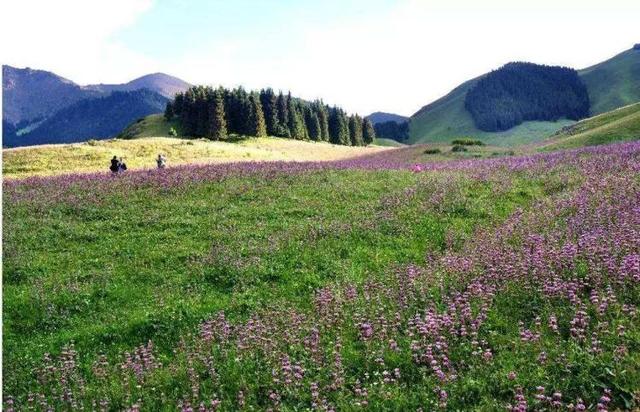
(294, 46)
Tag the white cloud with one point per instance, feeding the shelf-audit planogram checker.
(72, 38)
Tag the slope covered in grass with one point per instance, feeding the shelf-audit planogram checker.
(613, 83)
(138, 153)
(617, 125)
(371, 283)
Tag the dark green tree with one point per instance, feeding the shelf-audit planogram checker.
(218, 125)
(338, 127)
(283, 116)
(168, 111)
(296, 123)
(355, 130)
(368, 132)
(269, 102)
(256, 122)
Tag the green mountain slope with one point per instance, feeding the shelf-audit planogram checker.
(613, 83)
(617, 125)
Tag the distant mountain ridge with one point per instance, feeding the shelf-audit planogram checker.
(30, 94)
(96, 118)
(35, 103)
(161, 83)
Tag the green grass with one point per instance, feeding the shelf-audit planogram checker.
(618, 125)
(151, 126)
(387, 142)
(152, 265)
(613, 83)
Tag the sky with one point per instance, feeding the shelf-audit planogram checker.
(362, 55)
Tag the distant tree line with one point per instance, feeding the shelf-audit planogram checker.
(398, 131)
(216, 113)
(519, 92)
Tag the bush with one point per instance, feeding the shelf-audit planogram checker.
(432, 151)
(467, 142)
(92, 142)
(458, 148)
(173, 132)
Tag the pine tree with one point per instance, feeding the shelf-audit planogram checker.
(355, 130)
(313, 123)
(323, 117)
(296, 123)
(338, 127)
(218, 125)
(283, 116)
(168, 111)
(368, 132)
(256, 122)
(269, 102)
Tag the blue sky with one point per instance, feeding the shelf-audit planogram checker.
(388, 55)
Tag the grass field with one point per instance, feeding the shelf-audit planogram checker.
(140, 153)
(618, 125)
(371, 283)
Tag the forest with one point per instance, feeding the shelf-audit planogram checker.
(217, 113)
(398, 131)
(519, 92)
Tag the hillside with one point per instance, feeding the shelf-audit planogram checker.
(519, 92)
(447, 118)
(93, 156)
(610, 84)
(382, 117)
(613, 83)
(617, 125)
(96, 118)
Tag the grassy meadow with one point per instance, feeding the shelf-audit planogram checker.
(393, 281)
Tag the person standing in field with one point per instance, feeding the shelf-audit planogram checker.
(115, 165)
(161, 161)
(122, 166)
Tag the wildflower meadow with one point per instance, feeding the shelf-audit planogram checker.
(384, 282)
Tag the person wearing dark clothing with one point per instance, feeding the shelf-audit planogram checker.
(115, 165)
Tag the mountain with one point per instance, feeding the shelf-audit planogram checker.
(98, 118)
(617, 125)
(382, 117)
(613, 83)
(31, 95)
(35, 103)
(610, 84)
(160, 83)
